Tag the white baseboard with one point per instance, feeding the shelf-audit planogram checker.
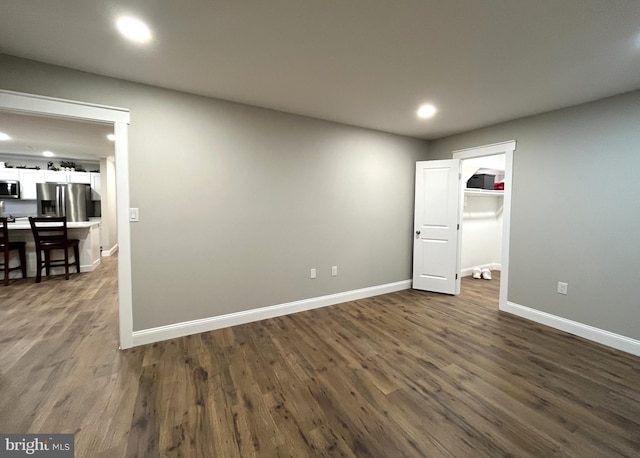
(111, 251)
(86, 267)
(601, 336)
(469, 270)
(147, 336)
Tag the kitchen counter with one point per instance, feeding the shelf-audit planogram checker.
(24, 224)
(87, 232)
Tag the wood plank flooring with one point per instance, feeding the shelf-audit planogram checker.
(404, 374)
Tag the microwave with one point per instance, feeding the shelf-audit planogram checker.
(9, 189)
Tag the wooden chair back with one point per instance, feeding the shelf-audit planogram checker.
(49, 230)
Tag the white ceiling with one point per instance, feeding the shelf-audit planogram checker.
(367, 63)
(31, 135)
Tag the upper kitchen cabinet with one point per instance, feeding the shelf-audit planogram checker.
(9, 174)
(96, 186)
(51, 176)
(28, 181)
(79, 177)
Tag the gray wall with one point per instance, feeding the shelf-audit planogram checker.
(109, 229)
(575, 211)
(237, 203)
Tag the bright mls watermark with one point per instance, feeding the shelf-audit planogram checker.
(36, 445)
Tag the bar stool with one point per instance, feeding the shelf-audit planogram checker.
(50, 233)
(6, 247)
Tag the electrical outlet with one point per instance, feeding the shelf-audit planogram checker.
(334, 271)
(563, 287)
(313, 273)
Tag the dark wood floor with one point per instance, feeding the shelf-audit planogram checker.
(405, 374)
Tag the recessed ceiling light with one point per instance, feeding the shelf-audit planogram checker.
(4, 137)
(48, 153)
(134, 29)
(111, 137)
(426, 111)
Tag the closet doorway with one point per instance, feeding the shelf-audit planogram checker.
(485, 214)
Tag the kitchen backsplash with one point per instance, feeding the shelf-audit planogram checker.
(19, 208)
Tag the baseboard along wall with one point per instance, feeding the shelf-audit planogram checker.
(172, 331)
(610, 339)
(147, 336)
(110, 252)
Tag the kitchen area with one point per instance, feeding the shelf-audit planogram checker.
(51, 167)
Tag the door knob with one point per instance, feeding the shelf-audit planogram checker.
(417, 232)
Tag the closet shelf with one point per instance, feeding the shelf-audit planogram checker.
(482, 192)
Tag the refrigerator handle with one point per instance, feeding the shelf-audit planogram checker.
(60, 196)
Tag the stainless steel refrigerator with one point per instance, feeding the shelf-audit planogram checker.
(72, 200)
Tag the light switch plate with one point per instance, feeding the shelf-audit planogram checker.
(134, 214)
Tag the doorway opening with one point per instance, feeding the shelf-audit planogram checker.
(485, 214)
(482, 214)
(36, 105)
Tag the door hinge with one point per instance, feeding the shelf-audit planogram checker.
(458, 226)
(456, 276)
(459, 176)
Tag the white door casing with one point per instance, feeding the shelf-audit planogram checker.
(119, 117)
(507, 148)
(436, 244)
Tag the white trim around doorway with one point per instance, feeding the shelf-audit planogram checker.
(119, 117)
(507, 148)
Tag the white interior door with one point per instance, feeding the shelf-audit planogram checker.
(436, 239)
